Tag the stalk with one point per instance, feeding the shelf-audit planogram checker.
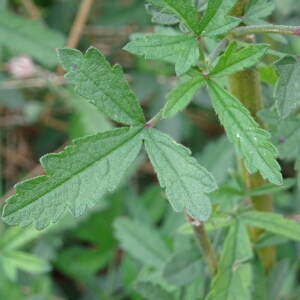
(245, 86)
(205, 245)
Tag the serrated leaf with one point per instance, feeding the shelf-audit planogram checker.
(183, 268)
(257, 9)
(151, 291)
(274, 223)
(23, 36)
(287, 92)
(184, 10)
(160, 15)
(185, 180)
(181, 49)
(235, 59)
(250, 140)
(103, 85)
(141, 241)
(75, 179)
(233, 280)
(216, 20)
(181, 96)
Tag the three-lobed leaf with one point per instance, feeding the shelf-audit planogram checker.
(186, 182)
(75, 179)
(250, 140)
(103, 85)
(235, 59)
(181, 49)
(181, 96)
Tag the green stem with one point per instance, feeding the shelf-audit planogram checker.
(217, 51)
(205, 245)
(245, 86)
(280, 29)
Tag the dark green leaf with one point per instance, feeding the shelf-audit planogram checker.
(75, 179)
(103, 85)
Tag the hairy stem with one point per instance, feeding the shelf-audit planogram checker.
(280, 29)
(245, 85)
(205, 245)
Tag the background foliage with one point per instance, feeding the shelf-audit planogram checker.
(131, 244)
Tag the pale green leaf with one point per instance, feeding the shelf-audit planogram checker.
(297, 168)
(16, 237)
(250, 140)
(103, 85)
(235, 59)
(183, 268)
(270, 188)
(216, 20)
(274, 223)
(141, 241)
(181, 96)
(23, 36)
(151, 291)
(218, 156)
(184, 10)
(257, 9)
(185, 180)
(182, 49)
(287, 92)
(75, 179)
(286, 137)
(233, 279)
(26, 262)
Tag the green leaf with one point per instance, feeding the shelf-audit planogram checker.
(236, 59)
(184, 10)
(274, 223)
(141, 241)
(103, 85)
(287, 136)
(233, 278)
(186, 181)
(26, 262)
(152, 291)
(251, 141)
(215, 20)
(75, 179)
(270, 188)
(259, 9)
(182, 49)
(88, 261)
(23, 36)
(287, 92)
(181, 96)
(297, 168)
(218, 156)
(183, 268)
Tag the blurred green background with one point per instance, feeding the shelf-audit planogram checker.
(84, 258)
